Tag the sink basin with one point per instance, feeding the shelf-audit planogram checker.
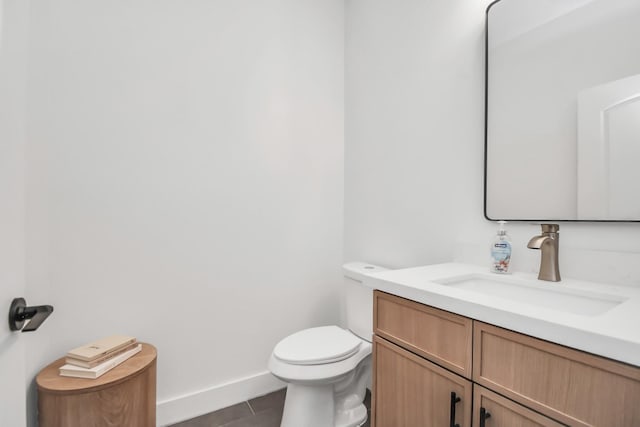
(549, 295)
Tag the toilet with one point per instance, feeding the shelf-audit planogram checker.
(328, 368)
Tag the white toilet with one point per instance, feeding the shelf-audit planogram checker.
(329, 368)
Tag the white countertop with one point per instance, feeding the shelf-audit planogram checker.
(614, 333)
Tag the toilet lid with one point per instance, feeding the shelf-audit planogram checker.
(317, 346)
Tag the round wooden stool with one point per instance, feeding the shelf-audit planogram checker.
(125, 396)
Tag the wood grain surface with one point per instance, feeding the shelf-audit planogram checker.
(409, 391)
(442, 337)
(123, 397)
(571, 386)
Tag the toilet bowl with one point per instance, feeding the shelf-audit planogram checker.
(328, 368)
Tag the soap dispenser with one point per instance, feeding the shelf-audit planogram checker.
(501, 251)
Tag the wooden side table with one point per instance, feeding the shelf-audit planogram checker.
(125, 396)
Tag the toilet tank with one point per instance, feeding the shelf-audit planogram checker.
(359, 298)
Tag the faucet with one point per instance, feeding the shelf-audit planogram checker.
(547, 242)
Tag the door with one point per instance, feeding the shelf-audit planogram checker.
(608, 150)
(13, 38)
(409, 391)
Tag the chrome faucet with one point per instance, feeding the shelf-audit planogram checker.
(547, 242)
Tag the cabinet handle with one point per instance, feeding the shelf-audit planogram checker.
(452, 412)
(483, 416)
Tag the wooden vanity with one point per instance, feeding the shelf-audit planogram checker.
(434, 368)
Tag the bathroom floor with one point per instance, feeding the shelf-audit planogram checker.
(263, 411)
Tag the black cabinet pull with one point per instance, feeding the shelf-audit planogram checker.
(483, 416)
(452, 412)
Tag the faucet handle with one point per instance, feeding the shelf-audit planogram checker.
(550, 228)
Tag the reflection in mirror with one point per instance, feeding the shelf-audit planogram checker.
(563, 110)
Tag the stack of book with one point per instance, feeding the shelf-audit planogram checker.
(96, 358)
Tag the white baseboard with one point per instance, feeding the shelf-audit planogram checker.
(220, 396)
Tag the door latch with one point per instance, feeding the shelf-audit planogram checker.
(19, 313)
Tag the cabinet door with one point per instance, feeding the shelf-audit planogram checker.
(442, 337)
(500, 412)
(409, 391)
(571, 386)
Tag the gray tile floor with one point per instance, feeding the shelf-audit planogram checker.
(263, 411)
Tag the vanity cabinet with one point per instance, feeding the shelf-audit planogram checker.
(422, 354)
(422, 365)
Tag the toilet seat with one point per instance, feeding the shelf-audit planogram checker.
(317, 346)
(314, 374)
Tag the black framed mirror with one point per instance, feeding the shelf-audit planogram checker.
(562, 110)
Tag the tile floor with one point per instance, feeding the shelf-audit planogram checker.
(263, 411)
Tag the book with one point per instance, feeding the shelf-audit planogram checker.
(99, 360)
(97, 371)
(95, 350)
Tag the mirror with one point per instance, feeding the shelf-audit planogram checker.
(562, 135)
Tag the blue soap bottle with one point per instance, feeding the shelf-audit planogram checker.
(501, 251)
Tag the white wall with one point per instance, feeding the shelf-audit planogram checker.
(414, 148)
(185, 183)
(414, 123)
